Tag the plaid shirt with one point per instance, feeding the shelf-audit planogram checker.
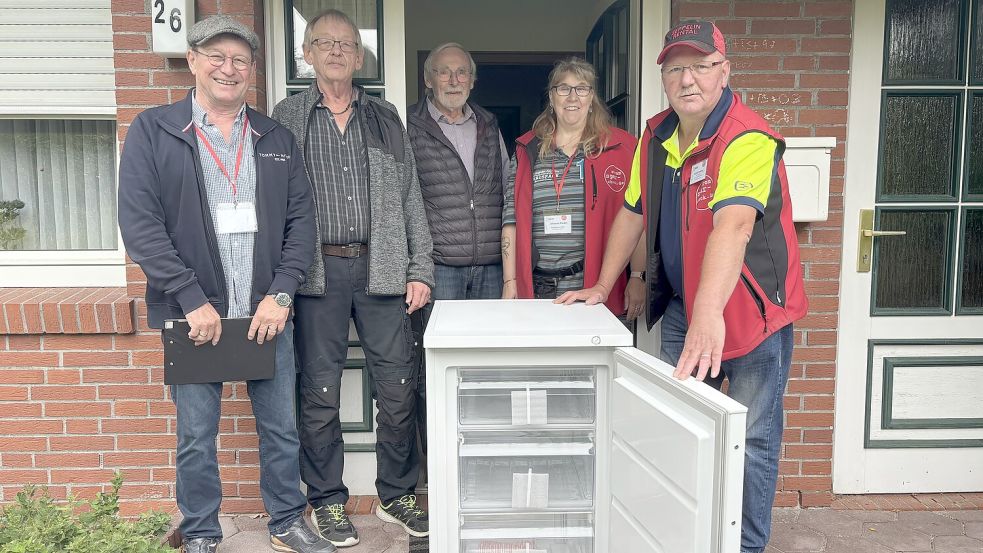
(235, 249)
(339, 171)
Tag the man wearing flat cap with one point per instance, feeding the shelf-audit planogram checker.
(216, 208)
(709, 184)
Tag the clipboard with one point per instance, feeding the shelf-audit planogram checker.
(235, 358)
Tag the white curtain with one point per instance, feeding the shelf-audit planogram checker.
(65, 173)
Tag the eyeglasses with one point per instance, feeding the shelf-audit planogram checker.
(218, 60)
(699, 68)
(444, 74)
(327, 44)
(565, 89)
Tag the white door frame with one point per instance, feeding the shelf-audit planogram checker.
(856, 467)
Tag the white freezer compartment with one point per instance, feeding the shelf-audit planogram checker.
(520, 397)
(526, 470)
(528, 533)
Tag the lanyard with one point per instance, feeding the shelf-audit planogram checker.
(558, 186)
(233, 179)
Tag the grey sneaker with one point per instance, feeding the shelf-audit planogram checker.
(333, 524)
(298, 538)
(199, 545)
(404, 512)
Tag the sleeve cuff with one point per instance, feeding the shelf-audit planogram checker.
(191, 297)
(284, 283)
(739, 200)
(634, 208)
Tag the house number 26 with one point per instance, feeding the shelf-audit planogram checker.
(175, 19)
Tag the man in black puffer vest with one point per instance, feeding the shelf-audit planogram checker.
(462, 163)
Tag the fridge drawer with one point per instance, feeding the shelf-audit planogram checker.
(534, 533)
(519, 397)
(526, 470)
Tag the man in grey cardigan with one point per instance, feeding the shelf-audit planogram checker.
(373, 264)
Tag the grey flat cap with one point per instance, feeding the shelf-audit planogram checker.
(211, 27)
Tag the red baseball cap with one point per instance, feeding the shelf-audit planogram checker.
(702, 36)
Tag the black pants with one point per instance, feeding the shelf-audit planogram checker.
(322, 347)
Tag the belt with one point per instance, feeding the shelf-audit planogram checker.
(574, 269)
(346, 250)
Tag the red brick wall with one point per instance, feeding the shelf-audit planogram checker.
(790, 61)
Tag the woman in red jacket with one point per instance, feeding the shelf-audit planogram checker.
(567, 183)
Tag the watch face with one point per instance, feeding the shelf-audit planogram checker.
(282, 299)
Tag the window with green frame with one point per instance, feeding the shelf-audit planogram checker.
(930, 164)
(367, 14)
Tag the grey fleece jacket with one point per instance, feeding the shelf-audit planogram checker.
(400, 246)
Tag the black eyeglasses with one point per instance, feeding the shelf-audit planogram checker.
(240, 63)
(327, 44)
(565, 89)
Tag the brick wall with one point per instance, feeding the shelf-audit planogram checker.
(790, 61)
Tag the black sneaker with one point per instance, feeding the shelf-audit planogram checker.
(199, 545)
(333, 524)
(298, 538)
(404, 512)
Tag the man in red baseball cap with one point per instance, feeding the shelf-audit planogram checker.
(709, 185)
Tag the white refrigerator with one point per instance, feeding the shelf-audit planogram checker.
(549, 433)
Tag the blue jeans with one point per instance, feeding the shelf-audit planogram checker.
(756, 380)
(199, 488)
(477, 282)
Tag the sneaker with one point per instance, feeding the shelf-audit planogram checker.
(298, 538)
(199, 545)
(333, 524)
(404, 512)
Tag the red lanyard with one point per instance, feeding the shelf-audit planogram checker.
(233, 179)
(558, 186)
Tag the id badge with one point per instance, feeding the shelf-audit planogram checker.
(558, 223)
(699, 172)
(233, 218)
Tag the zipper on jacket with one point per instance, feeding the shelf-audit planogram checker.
(757, 299)
(211, 238)
(593, 176)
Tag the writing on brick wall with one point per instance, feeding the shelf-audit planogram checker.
(752, 44)
(777, 98)
(777, 117)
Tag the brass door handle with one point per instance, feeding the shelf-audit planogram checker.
(865, 247)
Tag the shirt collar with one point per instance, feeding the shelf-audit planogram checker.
(439, 117)
(200, 117)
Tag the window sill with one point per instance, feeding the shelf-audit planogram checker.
(66, 311)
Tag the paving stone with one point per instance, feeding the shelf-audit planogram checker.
(898, 536)
(249, 523)
(965, 516)
(229, 527)
(957, 544)
(873, 516)
(974, 530)
(931, 523)
(855, 545)
(831, 523)
(785, 514)
(795, 538)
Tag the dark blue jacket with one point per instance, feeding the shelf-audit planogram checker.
(167, 227)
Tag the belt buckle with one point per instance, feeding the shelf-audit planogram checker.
(354, 250)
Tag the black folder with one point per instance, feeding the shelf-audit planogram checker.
(234, 357)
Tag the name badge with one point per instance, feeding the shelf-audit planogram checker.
(560, 223)
(699, 172)
(233, 218)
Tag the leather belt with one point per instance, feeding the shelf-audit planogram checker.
(577, 267)
(344, 250)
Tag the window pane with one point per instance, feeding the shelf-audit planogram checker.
(919, 144)
(65, 173)
(972, 260)
(363, 12)
(911, 270)
(923, 38)
(977, 46)
(974, 148)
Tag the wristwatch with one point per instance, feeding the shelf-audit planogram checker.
(283, 299)
(637, 274)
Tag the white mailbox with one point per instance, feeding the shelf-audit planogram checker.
(170, 22)
(807, 165)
